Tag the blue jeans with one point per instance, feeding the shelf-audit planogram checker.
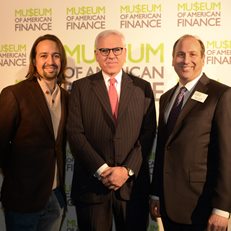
(48, 219)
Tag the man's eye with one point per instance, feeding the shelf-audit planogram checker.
(180, 55)
(57, 56)
(104, 50)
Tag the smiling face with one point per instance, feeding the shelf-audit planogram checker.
(111, 64)
(188, 59)
(47, 59)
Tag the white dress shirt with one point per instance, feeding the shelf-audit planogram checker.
(53, 100)
(106, 78)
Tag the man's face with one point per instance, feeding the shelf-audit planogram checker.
(187, 60)
(111, 64)
(47, 59)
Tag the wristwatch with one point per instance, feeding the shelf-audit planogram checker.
(130, 171)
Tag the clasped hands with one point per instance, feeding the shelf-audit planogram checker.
(114, 177)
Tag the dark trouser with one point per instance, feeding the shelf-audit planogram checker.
(48, 219)
(172, 226)
(128, 215)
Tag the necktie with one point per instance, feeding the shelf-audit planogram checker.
(113, 97)
(175, 111)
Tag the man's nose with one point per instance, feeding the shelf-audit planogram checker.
(111, 54)
(186, 58)
(50, 59)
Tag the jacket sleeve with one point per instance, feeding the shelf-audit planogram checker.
(8, 121)
(222, 124)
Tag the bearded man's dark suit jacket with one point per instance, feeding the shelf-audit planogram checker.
(95, 139)
(193, 166)
(28, 149)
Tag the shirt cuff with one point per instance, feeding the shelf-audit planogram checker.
(153, 197)
(100, 170)
(221, 213)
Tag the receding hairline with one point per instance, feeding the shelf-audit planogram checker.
(190, 36)
(106, 33)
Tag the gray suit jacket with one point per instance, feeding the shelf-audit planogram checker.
(193, 166)
(94, 139)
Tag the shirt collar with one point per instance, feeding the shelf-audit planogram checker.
(118, 77)
(189, 86)
(46, 89)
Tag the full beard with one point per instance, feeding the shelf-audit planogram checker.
(50, 75)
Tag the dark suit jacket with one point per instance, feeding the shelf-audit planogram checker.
(28, 148)
(193, 166)
(94, 139)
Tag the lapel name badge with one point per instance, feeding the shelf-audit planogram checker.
(199, 96)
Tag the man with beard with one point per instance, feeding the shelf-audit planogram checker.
(32, 141)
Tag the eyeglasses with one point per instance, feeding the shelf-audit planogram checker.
(106, 51)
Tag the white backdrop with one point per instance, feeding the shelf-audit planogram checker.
(150, 28)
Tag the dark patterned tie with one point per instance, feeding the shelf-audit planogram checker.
(175, 111)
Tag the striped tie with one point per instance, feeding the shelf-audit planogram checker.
(175, 111)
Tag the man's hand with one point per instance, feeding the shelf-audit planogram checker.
(217, 223)
(114, 177)
(154, 208)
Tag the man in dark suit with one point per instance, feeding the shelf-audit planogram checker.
(191, 179)
(32, 141)
(111, 145)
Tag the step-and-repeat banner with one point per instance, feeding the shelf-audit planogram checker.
(150, 28)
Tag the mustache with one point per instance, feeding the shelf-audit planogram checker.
(49, 65)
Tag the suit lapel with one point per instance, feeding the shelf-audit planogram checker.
(99, 88)
(164, 103)
(166, 100)
(63, 115)
(37, 96)
(201, 86)
(125, 94)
